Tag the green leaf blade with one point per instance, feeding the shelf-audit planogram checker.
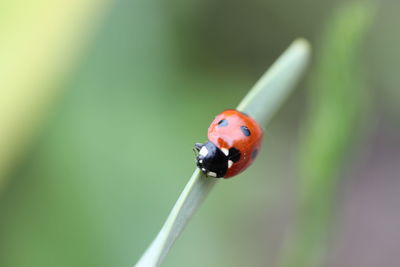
(261, 103)
(274, 86)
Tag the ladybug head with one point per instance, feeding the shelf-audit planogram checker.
(211, 160)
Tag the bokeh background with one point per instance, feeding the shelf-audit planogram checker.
(101, 102)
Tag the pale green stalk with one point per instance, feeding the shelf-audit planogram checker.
(261, 103)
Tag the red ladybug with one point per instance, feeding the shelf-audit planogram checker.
(234, 140)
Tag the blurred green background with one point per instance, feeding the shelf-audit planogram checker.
(102, 101)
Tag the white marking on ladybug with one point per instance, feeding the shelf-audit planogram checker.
(203, 169)
(230, 163)
(203, 151)
(225, 151)
(201, 161)
(213, 174)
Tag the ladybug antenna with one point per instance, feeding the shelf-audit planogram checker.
(198, 146)
(196, 152)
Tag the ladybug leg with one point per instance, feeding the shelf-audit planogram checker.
(204, 171)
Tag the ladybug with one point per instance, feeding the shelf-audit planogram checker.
(234, 140)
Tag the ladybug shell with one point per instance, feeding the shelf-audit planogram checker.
(234, 130)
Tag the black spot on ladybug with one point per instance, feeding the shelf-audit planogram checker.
(223, 123)
(234, 154)
(245, 130)
(254, 154)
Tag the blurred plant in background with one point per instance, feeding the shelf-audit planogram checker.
(337, 98)
(87, 179)
(38, 44)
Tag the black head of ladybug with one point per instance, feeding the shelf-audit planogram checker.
(211, 160)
